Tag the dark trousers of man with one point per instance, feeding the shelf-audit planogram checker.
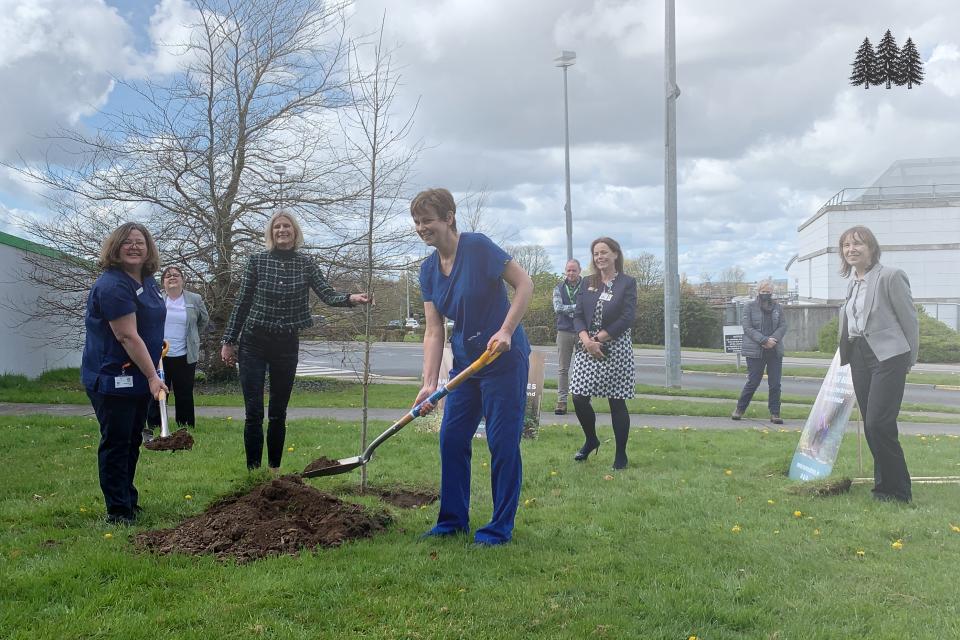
(879, 390)
(179, 375)
(773, 363)
(121, 420)
(261, 352)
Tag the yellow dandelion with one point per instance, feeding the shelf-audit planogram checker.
(861, 553)
(771, 502)
(735, 528)
(553, 473)
(897, 544)
(290, 449)
(693, 638)
(608, 477)
(728, 472)
(954, 528)
(923, 438)
(776, 532)
(188, 497)
(108, 535)
(83, 509)
(229, 417)
(484, 464)
(461, 590)
(816, 532)
(798, 514)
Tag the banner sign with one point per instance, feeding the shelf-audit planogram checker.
(531, 416)
(821, 435)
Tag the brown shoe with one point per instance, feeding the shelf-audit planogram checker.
(775, 418)
(736, 415)
(561, 408)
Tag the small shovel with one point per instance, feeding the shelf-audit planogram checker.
(162, 396)
(349, 464)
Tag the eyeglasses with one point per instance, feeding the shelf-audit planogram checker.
(172, 275)
(133, 243)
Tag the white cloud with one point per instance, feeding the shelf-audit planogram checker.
(942, 70)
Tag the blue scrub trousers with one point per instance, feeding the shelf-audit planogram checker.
(501, 400)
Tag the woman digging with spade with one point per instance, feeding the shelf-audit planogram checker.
(463, 280)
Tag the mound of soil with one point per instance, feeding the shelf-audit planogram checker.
(322, 462)
(280, 517)
(179, 440)
(823, 488)
(404, 498)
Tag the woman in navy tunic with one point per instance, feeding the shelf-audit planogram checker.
(464, 280)
(124, 323)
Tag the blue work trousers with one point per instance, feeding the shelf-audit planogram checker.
(773, 363)
(121, 419)
(500, 400)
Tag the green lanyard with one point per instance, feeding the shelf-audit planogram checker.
(573, 294)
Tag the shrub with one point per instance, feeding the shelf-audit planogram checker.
(827, 337)
(539, 334)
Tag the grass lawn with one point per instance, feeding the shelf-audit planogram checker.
(698, 537)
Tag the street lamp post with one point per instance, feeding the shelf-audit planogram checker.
(567, 59)
(280, 171)
(671, 279)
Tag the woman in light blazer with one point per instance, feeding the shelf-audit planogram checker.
(880, 340)
(187, 319)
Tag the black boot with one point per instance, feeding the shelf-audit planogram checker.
(621, 431)
(588, 422)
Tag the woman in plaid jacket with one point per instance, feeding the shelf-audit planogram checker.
(273, 304)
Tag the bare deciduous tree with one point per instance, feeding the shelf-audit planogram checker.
(647, 269)
(204, 155)
(532, 257)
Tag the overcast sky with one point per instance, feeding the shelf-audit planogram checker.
(768, 127)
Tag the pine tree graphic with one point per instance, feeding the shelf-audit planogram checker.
(911, 66)
(888, 60)
(864, 66)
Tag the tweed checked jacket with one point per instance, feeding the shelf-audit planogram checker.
(274, 294)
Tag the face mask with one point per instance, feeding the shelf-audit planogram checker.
(766, 297)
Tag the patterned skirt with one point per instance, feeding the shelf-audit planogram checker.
(612, 377)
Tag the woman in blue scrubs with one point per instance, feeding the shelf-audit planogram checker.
(464, 280)
(124, 323)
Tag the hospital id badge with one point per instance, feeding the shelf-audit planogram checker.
(606, 297)
(123, 382)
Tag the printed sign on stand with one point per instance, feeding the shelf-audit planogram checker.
(531, 415)
(823, 432)
(733, 340)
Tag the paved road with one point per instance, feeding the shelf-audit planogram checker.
(404, 360)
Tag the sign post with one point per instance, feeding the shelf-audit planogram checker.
(531, 414)
(733, 340)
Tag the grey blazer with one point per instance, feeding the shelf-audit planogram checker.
(890, 324)
(752, 321)
(197, 321)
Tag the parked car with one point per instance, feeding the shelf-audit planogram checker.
(412, 323)
(393, 324)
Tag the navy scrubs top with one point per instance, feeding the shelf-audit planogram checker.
(114, 295)
(474, 296)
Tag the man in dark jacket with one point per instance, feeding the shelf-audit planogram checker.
(764, 325)
(564, 304)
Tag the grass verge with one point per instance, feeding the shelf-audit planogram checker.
(700, 536)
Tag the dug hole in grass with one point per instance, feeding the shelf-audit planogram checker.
(696, 537)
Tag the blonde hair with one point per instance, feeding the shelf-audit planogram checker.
(110, 250)
(268, 231)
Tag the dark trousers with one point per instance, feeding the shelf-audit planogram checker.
(879, 390)
(121, 420)
(179, 376)
(619, 416)
(261, 352)
(773, 363)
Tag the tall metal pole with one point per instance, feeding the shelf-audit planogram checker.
(566, 59)
(671, 284)
(566, 158)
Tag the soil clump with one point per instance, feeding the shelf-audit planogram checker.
(404, 498)
(179, 440)
(280, 517)
(322, 462)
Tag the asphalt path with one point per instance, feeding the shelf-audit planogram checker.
(405, 360)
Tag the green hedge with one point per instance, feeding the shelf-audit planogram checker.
(539, 334)
(938, 342)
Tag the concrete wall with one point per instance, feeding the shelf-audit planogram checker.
(803, 323)
(33, 347)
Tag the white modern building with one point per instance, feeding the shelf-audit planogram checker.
(914, 210)
(29, 346)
